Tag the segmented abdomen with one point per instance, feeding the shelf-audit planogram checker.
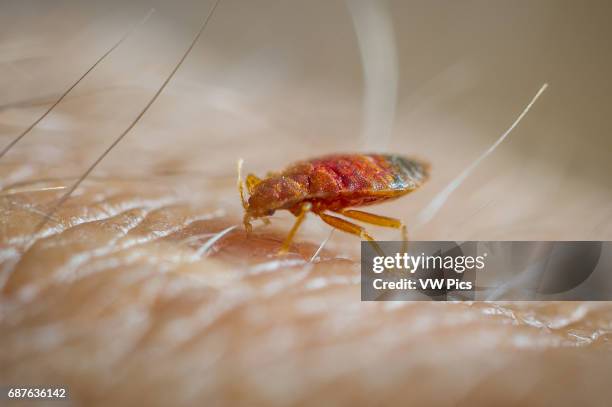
(357, 179)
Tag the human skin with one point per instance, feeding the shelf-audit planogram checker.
(120, 295)
(118, 303)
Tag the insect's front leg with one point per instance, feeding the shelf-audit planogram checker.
(306, 207)
(247, 223)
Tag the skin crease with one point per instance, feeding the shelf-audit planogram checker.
(121, 297)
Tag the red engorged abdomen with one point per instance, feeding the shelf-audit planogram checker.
(357, 173)
(341, 181)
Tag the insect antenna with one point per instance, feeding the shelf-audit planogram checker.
(245, 204)
(63, 96)
(240, 184)
(65, 197)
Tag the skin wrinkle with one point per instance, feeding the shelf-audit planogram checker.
(153, 327)
(33, 210)
(106, 211)
(208, 319)
(133, 218)
(297, 277)
(64, 240)
(111, 210)
(122, 242)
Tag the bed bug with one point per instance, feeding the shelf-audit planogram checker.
(333, 183)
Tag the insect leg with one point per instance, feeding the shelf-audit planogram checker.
(378, 220)
(300, 218)
(345, 226)
(349, 227)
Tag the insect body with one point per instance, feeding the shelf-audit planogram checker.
(333, 183)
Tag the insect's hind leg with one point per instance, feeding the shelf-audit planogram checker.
(298, 221)
(379, 220)
(349, 227)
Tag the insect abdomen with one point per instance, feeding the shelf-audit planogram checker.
(339, 181)
(362, 173)
(343, 180)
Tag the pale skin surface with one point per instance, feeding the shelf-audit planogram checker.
(123, 297)
(118, 303)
